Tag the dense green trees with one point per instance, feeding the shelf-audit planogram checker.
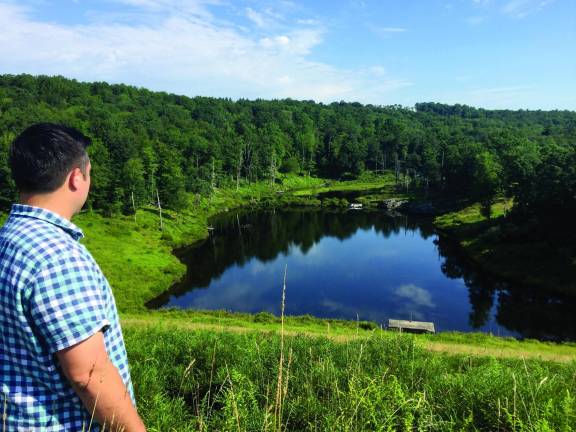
(147, 143)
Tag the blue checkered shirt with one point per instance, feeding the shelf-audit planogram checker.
(52, 296)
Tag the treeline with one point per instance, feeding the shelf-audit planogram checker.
(147, 143)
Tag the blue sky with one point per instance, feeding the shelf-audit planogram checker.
(517, 54)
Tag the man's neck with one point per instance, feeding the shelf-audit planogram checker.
(48, 202)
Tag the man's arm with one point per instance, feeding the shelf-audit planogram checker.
(98, 383)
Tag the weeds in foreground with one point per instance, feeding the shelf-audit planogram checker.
(380, 383)
(280, 385)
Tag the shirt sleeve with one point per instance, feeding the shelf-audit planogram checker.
(67, 302)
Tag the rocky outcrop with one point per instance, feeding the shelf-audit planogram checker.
(423, 208)
(392, 204)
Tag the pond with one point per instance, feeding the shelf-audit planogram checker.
(366, 265)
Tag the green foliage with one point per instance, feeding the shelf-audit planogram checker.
(7, 187)
(133, 177)
(147, 143)
(487, 174)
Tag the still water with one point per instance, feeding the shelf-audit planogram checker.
(357, 265)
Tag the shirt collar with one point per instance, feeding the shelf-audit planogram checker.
(48, 216)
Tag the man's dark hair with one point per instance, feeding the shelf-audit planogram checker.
(44, 154)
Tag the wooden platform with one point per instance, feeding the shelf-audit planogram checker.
(411, 326)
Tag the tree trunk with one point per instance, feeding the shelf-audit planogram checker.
(213, 180)
(133, 205)
(159, 211)
(239, 167)
(273, 169)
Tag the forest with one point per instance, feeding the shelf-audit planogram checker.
(153, 145)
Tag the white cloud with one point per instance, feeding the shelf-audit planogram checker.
(392, 29)
(311, 22)
(181, 7)
(284, 80)
(517, 9)
(349, 311)
(278, 41)
(521, 8)
(303, 41)
(378, 70)
(187, 53)
(385, 31)
(415, 295)
(256, 17)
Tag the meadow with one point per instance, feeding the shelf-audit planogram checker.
(360, 380)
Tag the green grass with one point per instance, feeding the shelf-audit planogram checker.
(134, 256)
(364, 183)
(479, 344)
(472, 214)
(227, 381)
(294, 182)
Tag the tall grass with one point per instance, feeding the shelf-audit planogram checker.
(280, 393)
(380, 383)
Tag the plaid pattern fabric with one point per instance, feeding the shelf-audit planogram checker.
(52, 296)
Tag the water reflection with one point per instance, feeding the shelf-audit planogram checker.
(349, 264)
(529, 312)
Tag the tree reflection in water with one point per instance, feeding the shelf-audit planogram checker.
(242, 236)
(530, 312)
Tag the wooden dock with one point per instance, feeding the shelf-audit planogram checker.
(411, 326)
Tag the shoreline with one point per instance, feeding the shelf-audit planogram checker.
(533, 264)
(152, 261)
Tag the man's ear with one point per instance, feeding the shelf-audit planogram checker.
(74, 179)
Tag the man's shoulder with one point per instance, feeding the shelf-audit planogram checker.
(37, 240)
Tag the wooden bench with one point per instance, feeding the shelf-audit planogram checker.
(411, 326)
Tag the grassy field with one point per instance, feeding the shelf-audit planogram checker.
(364, 183)
(226, 380)
(478, 344)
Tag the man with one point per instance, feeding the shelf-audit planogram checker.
(63, 364)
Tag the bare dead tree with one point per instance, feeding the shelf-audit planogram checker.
(273, 168)
(239, 166)
(213, 178)
(133, 205)
(159, 210)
